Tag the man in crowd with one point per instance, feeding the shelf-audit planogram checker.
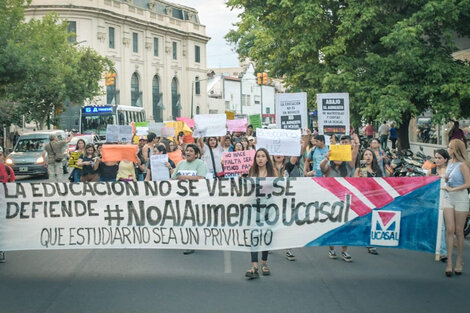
(384, 130)
(315, 156)
(369, 131)
(6, 176)
(55, 154)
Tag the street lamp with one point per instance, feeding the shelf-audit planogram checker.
(240, 75)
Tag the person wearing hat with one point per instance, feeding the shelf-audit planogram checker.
(251, 143)
(7, 175)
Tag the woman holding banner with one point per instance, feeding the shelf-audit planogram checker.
(262, 167)
(455, 202)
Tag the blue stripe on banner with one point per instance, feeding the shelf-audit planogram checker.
(418, 231)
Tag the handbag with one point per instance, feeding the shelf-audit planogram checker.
(56, 158)
(221, 174)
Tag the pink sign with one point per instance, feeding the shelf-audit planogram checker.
(238, 162)
(187, 120)
(238, 125)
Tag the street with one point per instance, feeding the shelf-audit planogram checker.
(213, 281)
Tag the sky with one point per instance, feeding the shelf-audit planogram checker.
(218, 19)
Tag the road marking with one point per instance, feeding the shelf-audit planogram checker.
(227, 262)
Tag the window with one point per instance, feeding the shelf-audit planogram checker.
(72, 29)
(135, 93)
(175, 52)
(268, 110)
(198, 110)
(111, 37)
(135, 42)
(155, 46)
(197, 86)
(197, 54)
(157, 100)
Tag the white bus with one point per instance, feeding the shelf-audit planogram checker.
(95, 118)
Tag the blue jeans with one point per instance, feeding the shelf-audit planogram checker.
(76, 175)
(111, 180)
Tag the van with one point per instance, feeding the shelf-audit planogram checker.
(26, 157)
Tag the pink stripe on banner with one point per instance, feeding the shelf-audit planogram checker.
(333, 186)
(404, 185)
(372, 191)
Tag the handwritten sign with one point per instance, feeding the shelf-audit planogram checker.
(115, 153)
(119, 133)
(168, 132)
(238, 162)
(255, 121)
(340, 153)
(210, 125)
(279, 141)
(155, 128)
(187, 120)
(141, 130)
(158, 167)
(291, 110)
(237, 125)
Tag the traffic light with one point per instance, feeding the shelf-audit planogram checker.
(265, 78)
(260, 78)
(109, 79)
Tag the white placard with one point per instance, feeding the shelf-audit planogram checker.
(141, 130)
(279, 141)
(118, 133)
(158, 167)
(155, 128)
(333, 113)
(291, 110)
(168, 131)
(210, 125)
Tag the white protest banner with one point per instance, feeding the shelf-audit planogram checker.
(238, 162)
(158, 168)
(210, 125)
(291, 110)
(333, 113)
(279, 141)
(168, 131)
(141, 130)
(243, 214)
(155, 128)
(118, 133)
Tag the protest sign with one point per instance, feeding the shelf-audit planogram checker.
(188, 139)
(340, 153)
(333, 113)
(176, 156)
(73, 157)
(179, 126)
(115, 153)
(168, 132)
(210, 125)
(255, 121)
(158, 168)
(141, 130)
(238, 162)
(291, 110)
(230, 115)
(237, 125)
(187, 120)
(155, 128)
(119, 133)
(140, 124)
(243, 214)
(279, 141)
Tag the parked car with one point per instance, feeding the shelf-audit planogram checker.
(26, 158)
(89, 138)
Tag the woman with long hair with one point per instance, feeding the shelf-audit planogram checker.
(88, 164)
(77, 171)
(212, 152)
(262, 167)
(160, 149)
(381, 157)
(455, 202)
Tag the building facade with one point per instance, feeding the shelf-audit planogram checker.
(158, 49)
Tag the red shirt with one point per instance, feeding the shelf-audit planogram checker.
(4, 177)
(369, 130)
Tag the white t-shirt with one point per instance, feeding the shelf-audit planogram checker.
(384, 130)
(206, 157)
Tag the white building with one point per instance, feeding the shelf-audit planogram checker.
(158, 48)
(239, 91)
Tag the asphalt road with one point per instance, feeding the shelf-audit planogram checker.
(212, 281)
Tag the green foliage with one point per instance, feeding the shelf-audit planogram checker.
(51, 70)
(394, 57)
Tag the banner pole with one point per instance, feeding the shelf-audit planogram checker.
(440, 220)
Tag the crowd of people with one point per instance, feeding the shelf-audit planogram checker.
(203, 158)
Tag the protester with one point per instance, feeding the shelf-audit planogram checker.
(251, 143)
(107, 171)
(379, 153)
(384, 131)
(457, 133)
(7, 175)
(238, 146)
(244, 141)
(150, 143)
(55, 154)
(228, 147)
(160, 149)
(262, 167)
(393, 136)
(172, 146)
(369, 131)
(87, 162)
(140, 167)
(441, 158)
(212, 155)
(315, 156)
(455, 202)
(249, 131)
(77, 171)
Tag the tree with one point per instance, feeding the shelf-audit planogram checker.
(393, 57)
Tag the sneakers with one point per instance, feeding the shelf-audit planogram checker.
(346, 256)
(2, 257)
(332, 254)
(290, 256)
(372, 250)
(188, 251)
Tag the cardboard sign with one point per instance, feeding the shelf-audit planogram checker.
(255, 121)
(333, 113)
(238, 162)
(210, 125)
(187, 120)
(230, 115)
(119, 133)
(340, 153)
(158, 168)
(279, 141)
(116, 153)
(176, 156)
(237, 125)
(291, 110)
(168, 132)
